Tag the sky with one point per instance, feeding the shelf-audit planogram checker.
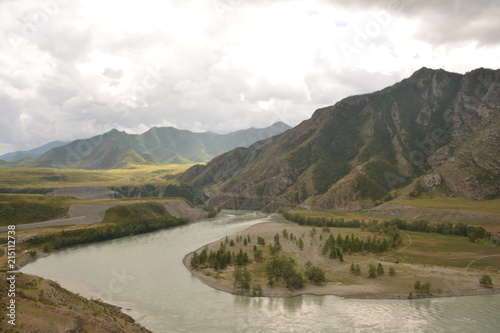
(74, 69)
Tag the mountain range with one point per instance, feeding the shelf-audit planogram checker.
(159, 145)
(436, 132)
(33, 153)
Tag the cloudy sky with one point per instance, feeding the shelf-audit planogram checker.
(73, 69)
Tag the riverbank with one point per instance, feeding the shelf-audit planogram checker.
(45, 306)
(410, 261)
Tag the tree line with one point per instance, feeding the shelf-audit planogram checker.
(102, 233)
(459, 229)
(219, 259)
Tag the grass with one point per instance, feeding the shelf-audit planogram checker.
(22, 208)
(134, 212)
(48, 178)
(459, 204)
(449, 250)
(323, 213)
(46, 307)
(29, 208)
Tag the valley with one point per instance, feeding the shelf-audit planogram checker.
(368, 220)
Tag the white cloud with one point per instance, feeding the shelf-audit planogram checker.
(74, 69)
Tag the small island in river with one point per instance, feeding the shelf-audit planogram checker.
(286, 259)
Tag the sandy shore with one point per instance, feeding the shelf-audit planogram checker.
(446, 281)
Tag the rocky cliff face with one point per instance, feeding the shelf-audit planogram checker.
(433, 132)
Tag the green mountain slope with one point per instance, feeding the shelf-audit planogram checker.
(434, 132)
(169, 145)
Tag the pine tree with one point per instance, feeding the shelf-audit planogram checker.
(380, 269)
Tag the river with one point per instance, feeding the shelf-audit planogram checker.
(144, 274)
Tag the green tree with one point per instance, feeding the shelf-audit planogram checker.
(242, 279)
(380, 269)
(283, 268)
(257, 290)
(195, 260)
(392, 271)
(257, 254)
(485, 280)
(425, 288)
(301, 244)
(372, 271)
(202, 259)
(285, 234)
(315, 275)
(276, 239)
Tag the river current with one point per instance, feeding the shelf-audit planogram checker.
(144, 274)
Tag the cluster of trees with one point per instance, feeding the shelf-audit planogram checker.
(314, 274)
(105, 232)
(284, 269)
(257, 254)
(246, 240)
(459, 229)
(355, 269)
(321, 221)
(421, 289)
(373, 271)
(242, 280)
(334, 247)
(298, 241)
(219, 259)
(211, 211)
(31, 209)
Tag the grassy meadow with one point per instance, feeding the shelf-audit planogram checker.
(461, 204)
(47, 178)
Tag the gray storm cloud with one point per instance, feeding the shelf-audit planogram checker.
(74, 69)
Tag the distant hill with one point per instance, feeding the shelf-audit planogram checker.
(162, 145)
(435, 132)
(34, 153)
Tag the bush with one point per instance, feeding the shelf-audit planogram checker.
(315, 274)
(485, 280)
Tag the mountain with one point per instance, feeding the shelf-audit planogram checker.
(116, 149)
(34, 153)
(436, 132)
